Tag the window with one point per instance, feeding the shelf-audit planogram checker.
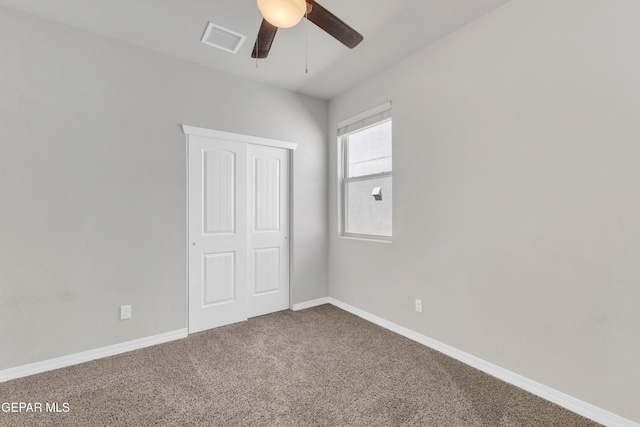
(367, 192)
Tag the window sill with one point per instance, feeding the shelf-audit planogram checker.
(375, 239)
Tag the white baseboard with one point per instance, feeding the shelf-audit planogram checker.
(571, 403)
(312, 303)
(85, 356)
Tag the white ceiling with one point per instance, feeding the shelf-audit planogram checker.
(392, 30)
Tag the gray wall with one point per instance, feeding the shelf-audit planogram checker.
(93, 184)
(516, 196)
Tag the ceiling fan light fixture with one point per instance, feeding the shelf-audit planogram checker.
(282, 13)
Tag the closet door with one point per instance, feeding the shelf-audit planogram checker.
(238, 230)
(217, 233)
(268, 246)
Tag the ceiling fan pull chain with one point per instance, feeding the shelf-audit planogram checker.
(306, 41)
(257, 48)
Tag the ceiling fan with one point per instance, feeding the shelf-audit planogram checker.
(287, 13)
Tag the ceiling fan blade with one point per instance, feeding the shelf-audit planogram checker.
(265, 37)
(333, 25)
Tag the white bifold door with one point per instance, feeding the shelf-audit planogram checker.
(238, 230)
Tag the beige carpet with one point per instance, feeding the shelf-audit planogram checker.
(317, 367)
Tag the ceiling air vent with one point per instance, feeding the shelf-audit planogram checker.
(222, 38)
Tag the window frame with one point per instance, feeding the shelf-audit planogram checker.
(375, 116)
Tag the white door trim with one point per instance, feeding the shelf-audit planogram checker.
(236, 137)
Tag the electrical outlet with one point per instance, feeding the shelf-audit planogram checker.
(125, 312)
(419, 305)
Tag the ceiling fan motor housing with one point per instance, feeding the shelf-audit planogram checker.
(282, 13)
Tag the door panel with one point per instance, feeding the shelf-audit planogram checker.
(219, 191)
(266, 270)
(267, 178)
(218, 278)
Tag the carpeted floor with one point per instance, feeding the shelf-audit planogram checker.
(316, 367)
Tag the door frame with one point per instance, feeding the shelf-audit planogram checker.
(242, 139)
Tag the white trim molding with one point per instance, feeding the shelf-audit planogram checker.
(578, 406)
(312, 303)
(86, 356)
(236, 137)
